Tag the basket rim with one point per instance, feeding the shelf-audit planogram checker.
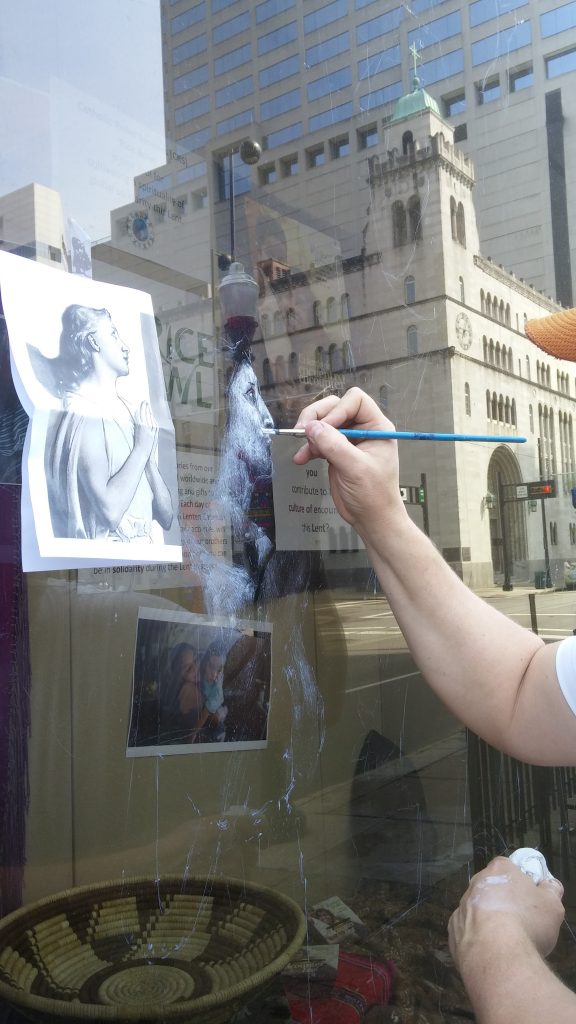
(149, 1011)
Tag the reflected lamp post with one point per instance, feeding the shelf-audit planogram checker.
(249, 152)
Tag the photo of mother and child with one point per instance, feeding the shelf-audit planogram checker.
(211, 688)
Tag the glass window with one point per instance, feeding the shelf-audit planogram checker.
(442, 67)
(339, 147)
(280, 104)
(330, 116)
(367, 137)
(187, 18)
(277, 72)
(194, 140)
(234, 91)
(378, 26)
(329, 84)
(455, 104)
(378, 62)
(434, 31)
(188, 49)
(279, 37)
(326, 49)
(315, 156)
(270, 8)
(220, 5)
(328, 771)
(558, 20)
(267, 174)
(233, 59)
(325, 15)
(288, 134)
(190, 110)
(289, 166)
(198, 76)
(501, 43)
(561, 64)
(378, 97)
(238, 120)
(489, 90)
(485, 10)
(520, 78)
(232, 27)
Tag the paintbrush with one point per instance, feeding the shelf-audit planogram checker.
(401, 435)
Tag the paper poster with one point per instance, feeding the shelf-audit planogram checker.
(99, 480)
(199, 685)
(306, 517)
(198, 518)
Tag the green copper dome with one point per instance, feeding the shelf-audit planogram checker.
(414, 103)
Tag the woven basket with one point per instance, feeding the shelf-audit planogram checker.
(139, 949)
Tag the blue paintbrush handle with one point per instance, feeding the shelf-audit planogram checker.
(402, 435)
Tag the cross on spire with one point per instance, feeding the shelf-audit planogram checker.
(416, 58)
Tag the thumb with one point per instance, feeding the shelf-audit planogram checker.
(330, 444)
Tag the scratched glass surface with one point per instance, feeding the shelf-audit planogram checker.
(316, 196)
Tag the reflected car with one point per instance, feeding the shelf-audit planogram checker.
(569, 575)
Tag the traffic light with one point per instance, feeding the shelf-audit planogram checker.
(422, 495)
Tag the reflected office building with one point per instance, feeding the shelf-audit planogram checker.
(381, 232)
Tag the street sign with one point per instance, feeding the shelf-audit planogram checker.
(413, 495)
(534, 489)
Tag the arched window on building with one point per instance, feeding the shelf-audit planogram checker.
(538, 371)
(278, 322)
(467, 401)
(294, 365)
(500, 409)
(513, 413)
(485, 347)
(498, 354)
(507, 410)
(408, 144)
(504, 357)
(317, 313)
(267, 375)
(331, 310)
(501, 311)
(320, 357)
(528, 367)
(348, 356)
(461, 225)
(335, 358)
(345, 313)
(548, 377)
(462, 291)
(291, 321)
(488, 406)
(531, 418)
(491, 352)
(453, 223)
(482, 300)
(399, 228)
(494, 406)
(414, 219)
(412, 340)
(409, 290)
(507, 315)
(511, 360)
(494, 308)
(488, 304)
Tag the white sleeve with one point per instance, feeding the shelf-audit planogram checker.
(566, 670)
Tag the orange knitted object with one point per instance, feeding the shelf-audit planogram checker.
(555, 334)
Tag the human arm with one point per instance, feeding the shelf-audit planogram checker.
(112, 494)
(499, 935)
(496, 676)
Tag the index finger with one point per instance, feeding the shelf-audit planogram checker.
(354, 408)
